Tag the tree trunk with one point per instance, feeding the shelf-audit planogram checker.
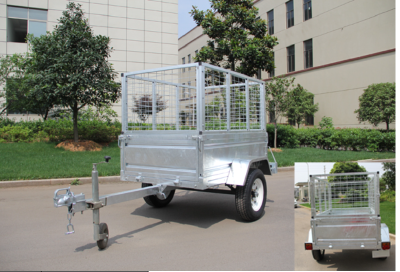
(275, 137)
(387, 125)
(75, 121)
(46, 115)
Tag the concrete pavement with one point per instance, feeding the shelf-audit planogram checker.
(197, 231)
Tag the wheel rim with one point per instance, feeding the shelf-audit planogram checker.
(257, 194)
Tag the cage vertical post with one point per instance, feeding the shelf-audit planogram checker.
(124, 102)
(228, 101)
(247, 104)
(95, 196)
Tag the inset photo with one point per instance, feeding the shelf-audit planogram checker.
(345, 216)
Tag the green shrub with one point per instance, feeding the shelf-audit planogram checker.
(16, 134)
(324, 138)
(388, 195)
(308, 137)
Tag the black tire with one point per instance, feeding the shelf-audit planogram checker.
(156, 202)
(103, 228)
(248, 210)
(318, 254)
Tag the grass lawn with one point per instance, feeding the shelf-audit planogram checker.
(43, 160)
(388, 214)
(289, 156)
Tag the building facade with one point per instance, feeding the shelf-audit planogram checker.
(334, 49)
(144, 33)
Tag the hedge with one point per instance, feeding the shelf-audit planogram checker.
(288, 136)
(333, 139)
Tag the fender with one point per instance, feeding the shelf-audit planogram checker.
(240, 169)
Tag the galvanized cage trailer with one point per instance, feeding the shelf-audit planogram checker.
(192, 127)
(345, 214)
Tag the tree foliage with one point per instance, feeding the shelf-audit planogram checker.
(347, 167)
(276, 93)
(378, 104)
(11, 78)
(143, 106)
(239, 40)
(326, 122)
(70, 67)
(389, 177)
(300, 103)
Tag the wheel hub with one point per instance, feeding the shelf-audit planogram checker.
(257, 194)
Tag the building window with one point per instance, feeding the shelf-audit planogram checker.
(270, 16)
(308, 55)
(307, 10)
(183, 62)
(289, 14)
(290, 58)
(183, 91)
(189, 60)
(272, 72)
(23, 21)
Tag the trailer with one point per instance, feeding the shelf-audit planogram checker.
(345, 215)
(191, 127)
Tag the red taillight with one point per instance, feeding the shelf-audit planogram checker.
(386, 245)
(309, 246)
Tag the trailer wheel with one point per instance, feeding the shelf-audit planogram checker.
(250, 198)
(318, 254)
(103, 228)
(156, 202)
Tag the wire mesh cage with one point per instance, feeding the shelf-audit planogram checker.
(193, 97)
(345, 194)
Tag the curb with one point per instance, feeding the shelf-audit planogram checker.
(85, 180)
(62, 181)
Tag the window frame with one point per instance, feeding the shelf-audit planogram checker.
(27, 20)
(289, 21)
(307, 15)
(270, 32)
(308, 54)
(291, 65)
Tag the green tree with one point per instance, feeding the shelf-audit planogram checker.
(389, 177)
(239, 39)
(143, 106)
(378, 104)
(276, 92)
(11, 78)
(352, 193)
(326, 122)
(300, 103)
(70, 67)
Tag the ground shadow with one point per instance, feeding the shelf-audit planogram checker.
(198, 209)
(113, 240)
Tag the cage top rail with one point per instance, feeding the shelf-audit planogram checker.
(196, 64)
(322, 176)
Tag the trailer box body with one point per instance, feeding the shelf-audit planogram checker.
(345, 213)
(208, 128)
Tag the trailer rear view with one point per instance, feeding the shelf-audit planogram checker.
(345, 214)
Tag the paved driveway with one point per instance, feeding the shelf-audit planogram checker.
(197, 231)
(335, 259)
